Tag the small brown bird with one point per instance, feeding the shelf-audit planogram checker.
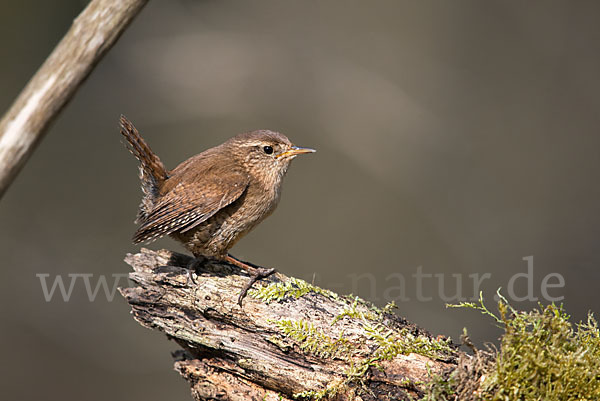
(213, 199)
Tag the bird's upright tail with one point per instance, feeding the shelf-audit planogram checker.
(152, 171)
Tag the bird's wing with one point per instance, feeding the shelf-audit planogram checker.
(191, 202)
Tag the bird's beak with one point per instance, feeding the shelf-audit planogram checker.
(295, 151)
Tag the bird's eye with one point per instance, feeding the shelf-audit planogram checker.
(268, 149)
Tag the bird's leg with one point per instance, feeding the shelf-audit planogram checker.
(192, 267)
(256, 273)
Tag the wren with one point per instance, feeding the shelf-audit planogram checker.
(211, 200)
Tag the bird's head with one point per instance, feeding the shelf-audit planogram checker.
(266, 154)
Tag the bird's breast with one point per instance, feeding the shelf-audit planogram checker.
(219, 233)
(257, 203)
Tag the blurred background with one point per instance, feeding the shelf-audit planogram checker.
(453, 137)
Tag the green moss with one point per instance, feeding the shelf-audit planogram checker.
(392, 343)
(294, 288)
(326, 393)
(480, 306)
(311, 395)
(389, 307)
(378, 342)
(388, 344)
(354, 374)
(312, 340)
(542, 356)
(354, 313)
(382, 343)
(439, 388)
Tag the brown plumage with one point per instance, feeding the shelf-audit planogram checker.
(211, 200)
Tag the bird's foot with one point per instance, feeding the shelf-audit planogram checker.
(193, 266)
(256, 273)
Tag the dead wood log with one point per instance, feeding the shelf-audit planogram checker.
(290, 340)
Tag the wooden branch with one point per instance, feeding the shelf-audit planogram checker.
(290, 339)
(92, 34)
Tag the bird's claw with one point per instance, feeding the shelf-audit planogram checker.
(255, 275)
(192, 268)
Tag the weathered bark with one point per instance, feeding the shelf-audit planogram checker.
(92, 34)
(288, 341)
